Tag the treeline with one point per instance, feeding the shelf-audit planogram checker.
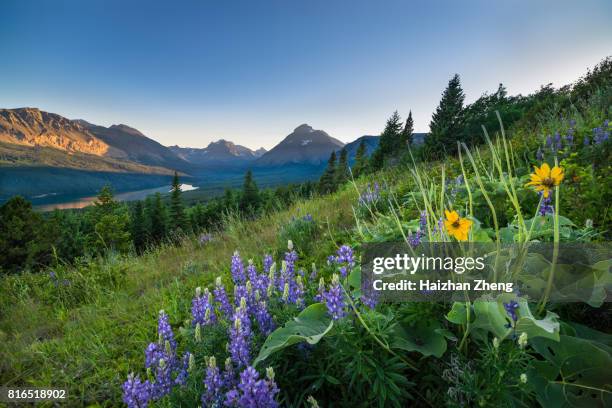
(32, 240)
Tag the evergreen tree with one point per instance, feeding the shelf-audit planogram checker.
(250, 200)
(408, 131)
(327, 182)
(105, 203)
(389, 143)
(445, 126)
(157, 218)
(360, 160)
(110, 224)
(342, 171)
(139, 229)
(177, 210)
(19, 226)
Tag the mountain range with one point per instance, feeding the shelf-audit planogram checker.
(36, 146)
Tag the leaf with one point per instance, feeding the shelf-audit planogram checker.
(576, 373)
(457, 314)
(424, 337)
(311, 325)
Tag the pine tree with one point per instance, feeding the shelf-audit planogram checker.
(138, 227)
(360, 159)
(445, 125)
(157, 219)
(327, 182)
(250, 200)
(342, 171)
(105, 203)
(177, 210)
(19, 226)
(408, 131)
(390, 142)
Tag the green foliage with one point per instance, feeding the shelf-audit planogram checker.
(309, 326)
(445, 126)
(178, 221)
(361, 160)
(327, 182)
(342, 171)
(391, 143)
(407, 133)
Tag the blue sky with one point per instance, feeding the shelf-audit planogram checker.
(189, 72)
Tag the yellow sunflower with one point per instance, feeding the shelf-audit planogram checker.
(544, 179)
(456, 226)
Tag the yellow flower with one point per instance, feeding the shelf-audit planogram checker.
(544, 179)
(456, 226)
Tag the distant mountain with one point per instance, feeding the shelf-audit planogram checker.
(136, 146)
(216, 153)
(34, 128)
(371, 142)
(304, 145)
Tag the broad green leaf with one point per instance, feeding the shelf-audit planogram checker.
(311, 325)
(424, 337)
(576, 373)
(457, 314)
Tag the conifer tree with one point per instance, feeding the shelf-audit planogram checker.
(139, 230)
(157, 219)
(177, 210)
(250, 200)
(342, 171)
(105, 203)
(408, 131)
(445, 125)
(389, 143)
(327, 182)
(360, 159)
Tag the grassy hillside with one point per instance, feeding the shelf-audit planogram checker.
(86, 327)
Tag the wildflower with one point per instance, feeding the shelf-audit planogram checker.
(539, 155)
(511, 308)
(263, 318)
(523, 378)
(136, 393)
(205, 238)
(546, 207)
(254, 392)
(557, 141)
(164, 330)
(549, 142)
(334, 299)
(267, 263)
(414, 239)
(181, 378)
(222, 299)
(313, 274)
(202, 309)
(495, 343)
(456, 226)
(321, 290)
(544, 179)
(213, 385)
(163, 380)
(192, 362)
(240, 335)
(345, 258)
(237, 269)
(229, 376)
(290, 245)
(370, 195)
(423, 220)
(586, 141)
(331, 260)
(522, 340)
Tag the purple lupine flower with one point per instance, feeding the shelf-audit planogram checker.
(557, 141)
(572, 123)
(221, 297)
(267, 263)
(414, 239)
(229, 374)
(163, 380)
(237, 269)
(569, 138)
(345, 257)
(423, 220)
(369, 300)
(251, 272)
(153, 353)
(546, 207)
(263, 318)
(164, 330)
(240, 336)
(204, 239)
(539, 155)
(549, 142)
(313, 274)
(287, 282)
(334, 299)
(586, 141)
(136, 394)
(370, 195)
(511, 308)
(181, 377)
(307, 218)
(202, 308)
(319, 297)
(213, 384)
(254, 392)
(331, 260)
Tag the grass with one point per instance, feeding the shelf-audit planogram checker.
(92, 336)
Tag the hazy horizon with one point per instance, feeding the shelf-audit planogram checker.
(191, 72)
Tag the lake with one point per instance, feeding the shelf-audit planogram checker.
(50, 202)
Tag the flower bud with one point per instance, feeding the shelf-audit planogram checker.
(198, 291)
(286, 292)
(270, 373)
(290, 245)
(524, 378)
(522, 340)
(162, 363)
(192, 363)
(218, 281)
(212, 362)
(243, 303)
(168, 347)
(495, 343)
(198, 333)
(249, 287)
